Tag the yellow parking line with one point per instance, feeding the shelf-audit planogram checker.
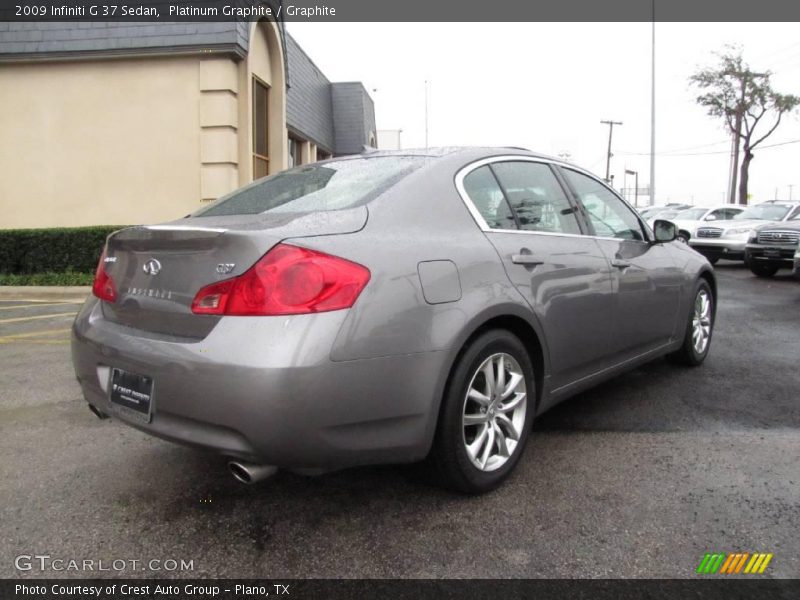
(23, 341)
(20, 319)
(36, 305)
(15, 336)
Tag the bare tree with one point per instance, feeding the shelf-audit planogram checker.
(744, 99)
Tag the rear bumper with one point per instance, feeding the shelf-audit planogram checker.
(719, 248)
(264, 389)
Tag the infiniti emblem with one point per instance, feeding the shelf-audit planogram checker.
(152, 267)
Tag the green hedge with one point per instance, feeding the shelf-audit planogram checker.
(51, 252)
(59, 279)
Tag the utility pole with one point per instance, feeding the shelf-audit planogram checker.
(609, 155)
(426, 114)
(653, 112)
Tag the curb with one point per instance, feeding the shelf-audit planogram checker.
(40, 293)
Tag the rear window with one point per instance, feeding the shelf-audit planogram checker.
(333, 185)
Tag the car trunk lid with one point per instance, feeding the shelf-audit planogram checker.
(158, 270)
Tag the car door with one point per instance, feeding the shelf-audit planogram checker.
(563, 274)
(646, 278)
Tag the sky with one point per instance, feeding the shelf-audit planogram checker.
(547, 86)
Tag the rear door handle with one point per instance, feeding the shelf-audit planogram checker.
(525, 259)
(620, 264)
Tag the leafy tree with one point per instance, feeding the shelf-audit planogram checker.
(746, 101)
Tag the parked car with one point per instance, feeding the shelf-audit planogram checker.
(384, 308)
(772, 247)
(688, 220)
(728, 239)
(797, 263)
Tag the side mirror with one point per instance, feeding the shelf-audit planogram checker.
(665, 231)
(711, 218)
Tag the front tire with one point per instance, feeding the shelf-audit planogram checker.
(762, 269)
(486, 414)
(699, 329)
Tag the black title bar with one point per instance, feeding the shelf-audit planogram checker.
(401, 11)
(729, 588)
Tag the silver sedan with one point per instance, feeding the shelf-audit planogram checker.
(386, 308)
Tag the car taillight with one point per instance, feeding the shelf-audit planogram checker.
(103, 286)
(287, 280)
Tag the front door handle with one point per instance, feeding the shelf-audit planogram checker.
(620, 264)
(526, 259)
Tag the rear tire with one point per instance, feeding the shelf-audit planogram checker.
(713, 259)
(486, 414)
(699, 328)
(763, 270)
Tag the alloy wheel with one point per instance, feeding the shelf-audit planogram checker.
(701, 322)
(494, 411)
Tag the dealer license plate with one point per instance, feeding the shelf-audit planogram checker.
(131, 394)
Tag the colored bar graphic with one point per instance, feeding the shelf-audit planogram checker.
(728, 562)
(725, 563)
(703, 563)
(764, 564)
(741, 562)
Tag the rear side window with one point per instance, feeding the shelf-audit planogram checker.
(484, 191)
(536, 197)
(333, 185)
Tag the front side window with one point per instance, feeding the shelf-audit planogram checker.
(485, 193)
(608, 214)
(334, 185)
(536, 197)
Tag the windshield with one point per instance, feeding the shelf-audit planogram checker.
(333, 185)
(765, 212)
(691, 214)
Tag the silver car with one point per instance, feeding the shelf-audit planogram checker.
(385, 308)
(728, 239)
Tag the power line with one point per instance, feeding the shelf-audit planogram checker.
(726, 141)
(709, 153)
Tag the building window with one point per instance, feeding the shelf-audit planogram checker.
(260, 130)
(294, 152)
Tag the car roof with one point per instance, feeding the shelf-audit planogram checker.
(467, 151)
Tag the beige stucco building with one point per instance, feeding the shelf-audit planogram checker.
(125, 125)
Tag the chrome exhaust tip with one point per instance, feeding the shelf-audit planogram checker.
(250, 473)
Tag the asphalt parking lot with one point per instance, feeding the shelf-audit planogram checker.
(637, 478)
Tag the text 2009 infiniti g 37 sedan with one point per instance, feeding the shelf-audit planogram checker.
(384, 308)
